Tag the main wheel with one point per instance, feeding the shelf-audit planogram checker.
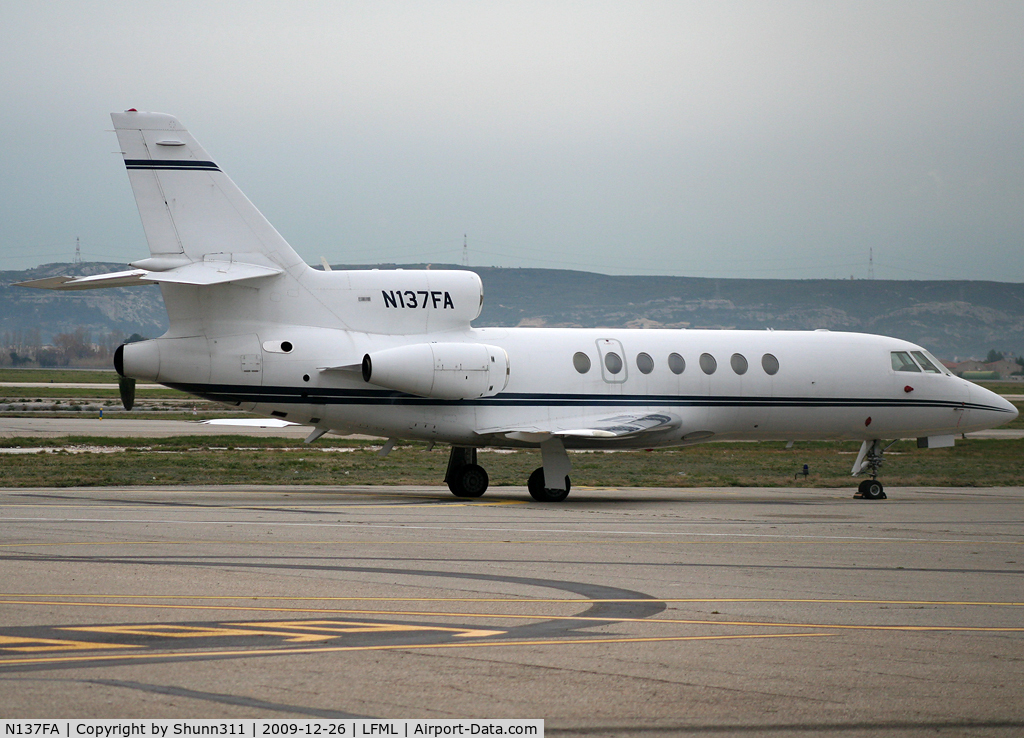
(871, 489)
(542, 494)
(470, 481)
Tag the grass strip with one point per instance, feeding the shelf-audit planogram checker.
(28, 394)
(49, 374)
(234, 460)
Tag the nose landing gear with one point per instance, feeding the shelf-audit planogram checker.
(870, 489)
(870, 458)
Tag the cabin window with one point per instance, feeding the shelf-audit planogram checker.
(926, 363)
(676, 363)
(770, 365)
(645, 363)
(738, 363)
(708, 365)
(613, 362)
(581, 361)
(901, 362)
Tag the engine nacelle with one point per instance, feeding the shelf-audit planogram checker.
(446, 371)
(165, 360)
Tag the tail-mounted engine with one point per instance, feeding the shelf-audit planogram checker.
(446, 371)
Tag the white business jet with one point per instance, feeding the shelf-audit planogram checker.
(393, 353)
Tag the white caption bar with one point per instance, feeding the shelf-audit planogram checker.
(268, 728)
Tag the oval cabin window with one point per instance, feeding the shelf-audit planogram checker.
(770, 364)
(708, 365)
(739, 363)
(581, 361)
(613, 362)
(676, 363)
(645, 363)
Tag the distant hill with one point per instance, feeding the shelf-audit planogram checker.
(133, 310)
(953, 319)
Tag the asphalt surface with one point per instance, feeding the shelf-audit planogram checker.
(618, 612)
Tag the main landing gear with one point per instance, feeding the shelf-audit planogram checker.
(870, 458)
(540, 492)
(548, 483)
(465, 478)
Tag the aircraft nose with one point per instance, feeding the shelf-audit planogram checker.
(1010, 408)
(997, 410)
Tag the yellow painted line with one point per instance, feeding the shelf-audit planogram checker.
(434, 614)
(338, 626)
(528, 600)
(14, 643)
(419, 646)
(668, 621)
(188, 631)
(298, 631)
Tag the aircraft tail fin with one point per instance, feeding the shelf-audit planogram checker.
(191, 211)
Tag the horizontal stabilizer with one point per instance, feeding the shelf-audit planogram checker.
(129, 278)
(213, 272)
(200, 273)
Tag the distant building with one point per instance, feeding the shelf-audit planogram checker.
(973, 369)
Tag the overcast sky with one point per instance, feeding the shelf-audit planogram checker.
(727, 139)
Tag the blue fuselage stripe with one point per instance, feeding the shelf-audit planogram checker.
(310, 396)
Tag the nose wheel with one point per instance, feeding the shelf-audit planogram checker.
(870, 459)
(871, 489)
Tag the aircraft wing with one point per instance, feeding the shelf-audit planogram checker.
(617, 426)
(249, 422)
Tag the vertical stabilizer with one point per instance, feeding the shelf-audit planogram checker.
(191, 211)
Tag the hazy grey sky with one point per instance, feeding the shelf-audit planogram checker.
(731, 139)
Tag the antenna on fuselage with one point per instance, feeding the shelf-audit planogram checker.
(465, 252)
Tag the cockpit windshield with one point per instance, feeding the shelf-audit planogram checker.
(926, 363)
(901, 362)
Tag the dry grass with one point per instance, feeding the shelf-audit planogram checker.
(230, 460)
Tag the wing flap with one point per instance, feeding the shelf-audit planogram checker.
(618, 426)
(249, 422)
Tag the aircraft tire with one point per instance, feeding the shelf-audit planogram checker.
(540, 493)
(470, 481)
(872, 489)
